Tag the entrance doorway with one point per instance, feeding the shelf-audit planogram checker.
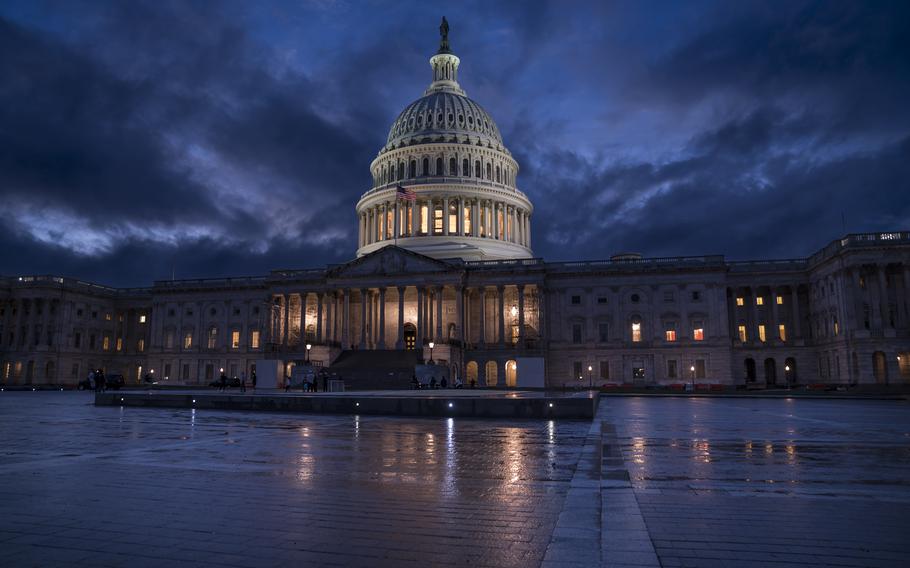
(770, 372)
(790, 370)
(511, 373)
(880, 368)
(410, 336)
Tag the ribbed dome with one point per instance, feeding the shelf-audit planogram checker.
(444, 117)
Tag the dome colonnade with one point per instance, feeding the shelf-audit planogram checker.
(444, 184)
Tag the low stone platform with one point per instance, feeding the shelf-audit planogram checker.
(445, 403)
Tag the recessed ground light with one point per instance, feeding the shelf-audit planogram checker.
(551, 405)
(356, 404)
(194, 401)
(121, 399)
(450, 405)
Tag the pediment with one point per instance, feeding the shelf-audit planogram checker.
(389, 261)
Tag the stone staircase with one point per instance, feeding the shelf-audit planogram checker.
(376, 369)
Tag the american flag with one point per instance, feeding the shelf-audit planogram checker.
(404, 193)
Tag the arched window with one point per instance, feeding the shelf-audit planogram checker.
(439, 171)
(498, 176)
(400, 171)
(470, 373)
(511, 373)
(213, 337)
(477, 168)
(412, 173)
(465, 168)
(489, 172)
(636, 329)
(426, 167)
(383, 176)
(453, 167)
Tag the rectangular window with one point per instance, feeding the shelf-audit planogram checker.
(119, 344)
(696, 296)
(437, 220)
(254, 339)
(235, 339)
(106, 343)
(671, 335)
(467, 220)
(759, 301)
(780, 300)
(213, 337)
(698, 334)
(142, 318)
(91, 341)
(761, 333)
(453, 219)
(576, 300)
(424, 219)
(605, 370)
(186, 371)
(75, 370)
(837, 326)
(169, 339)
(740, 302)
(141, 345)
(576, 333)
(636, 332)
(742, 333)
(576, 370)
(699, 368)
(602, 334)
(601, 299)
(187, 340)
(77, 340)
(672, 369)
(167, 370)
(782, 332)
(107, 316)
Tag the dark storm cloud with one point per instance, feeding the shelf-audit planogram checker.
(223, 138)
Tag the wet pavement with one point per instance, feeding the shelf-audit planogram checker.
(743, 482)
(101, 486)
(685, 482)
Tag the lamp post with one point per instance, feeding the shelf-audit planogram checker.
(308, 347)
(692, 370)
(431, 352)
(590, 377)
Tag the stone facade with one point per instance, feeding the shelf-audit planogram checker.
(444, 256)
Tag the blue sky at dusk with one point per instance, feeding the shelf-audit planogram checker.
(231, 138)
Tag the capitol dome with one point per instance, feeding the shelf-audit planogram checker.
(444, 184)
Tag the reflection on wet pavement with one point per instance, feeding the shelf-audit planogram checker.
(238, 488)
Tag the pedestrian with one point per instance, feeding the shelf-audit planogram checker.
(325, 383)
(243, 381)
(254, 379)
(287, 384)
(432, 382)
(223, 382)
(443, 383)
(93, 380)
(101, 380)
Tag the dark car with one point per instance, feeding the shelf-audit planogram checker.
(231, 382)
(113, 382)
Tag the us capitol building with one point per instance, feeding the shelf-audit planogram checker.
(445, 258)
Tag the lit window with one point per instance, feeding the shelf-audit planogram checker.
(142, 318)
(437, 220)
(141, 345)
(467, 220)
(213, 337)
(453, 218)
(187, 340)
(759, 301)
(761, 333)
(782, 332)
(671, 335)
(636, 332)
(119, 344)
(106, 343)
(235, 339)
(424, 213)
(780, 300)
(837, 327)
(107, 316)
(740, 302)
(698, 334)
(742, 333)
(254, 339)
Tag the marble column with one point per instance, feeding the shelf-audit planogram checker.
(319, 298)
(346, 319)
(438, 293)
(381, 340)
(459, 314)
(397, 220)
(363, 318)
(445, 215)
(794, 310)
(883, 301)
(502, 316)
(286, 336)
(399, 344)
(521, 315)
(475, 218)
(483, 315)
(495, 220)
(420, 317)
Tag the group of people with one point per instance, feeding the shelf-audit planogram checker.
(98, 379)
(310, 386)
(442, 384)
(223, 381)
